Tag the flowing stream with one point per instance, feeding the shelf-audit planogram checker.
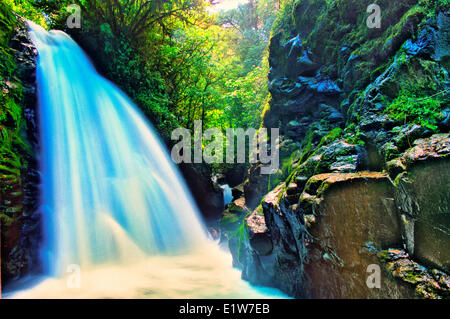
(118, 219)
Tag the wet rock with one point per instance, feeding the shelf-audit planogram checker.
(259, 236)
(374, 121)
(321, 220)
(233, 215)
(320, 254)
(395, 167)
(214, 233)
(255, 186)
(353, 209)
(444, 125)
(208, 196)
(301, 181)
(433, 41)
(339, 156)
(19, 192)
(331, 114)
(238, 191)
(435, 147)
(298, 61)
(390, 151)
(427, 284)
(407, 134)
(423, 199)
(442, 278)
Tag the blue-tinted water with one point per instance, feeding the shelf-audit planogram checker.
(109, 187)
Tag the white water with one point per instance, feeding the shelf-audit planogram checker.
(227, 194)
(112, 200)
(204, 273)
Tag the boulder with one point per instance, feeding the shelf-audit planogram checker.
(423, 199)
(354, 210)
(428, 284)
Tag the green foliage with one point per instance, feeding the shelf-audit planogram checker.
(284, 20)
(7, 25)
(12, 146)
(419, 94)
(356, 138)
(333, 135)
(133, 19)
(408, 107)
(433, 5)
(242, 235)
(184, 64)
(28, 9)
(175, 60)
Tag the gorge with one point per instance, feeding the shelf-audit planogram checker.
(362, 188)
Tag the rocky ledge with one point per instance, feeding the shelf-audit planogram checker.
(317, 239)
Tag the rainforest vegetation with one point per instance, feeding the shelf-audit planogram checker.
(182, 61)
(178, 60)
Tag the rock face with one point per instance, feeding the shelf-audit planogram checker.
(432, 284)
(324, 246)
(423, 197)
(359, 179)
(355, 214)
(19, 195)
(208, 197)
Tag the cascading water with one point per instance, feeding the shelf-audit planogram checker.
(113, 203)
(109, 188)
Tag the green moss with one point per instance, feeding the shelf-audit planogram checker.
(27, 9)
(286, 170)
(333, 135)
(379, 70)
(232, 218)
(242, 237)
(407, 107)
(419, 93)
(332, 27)
(13, 147)
(229, 221)
(307, 144)
(355, 139)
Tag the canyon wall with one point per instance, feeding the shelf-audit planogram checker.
(363, 178)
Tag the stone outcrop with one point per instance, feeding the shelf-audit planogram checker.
(430, 284)
(318, 240)
(423, 198)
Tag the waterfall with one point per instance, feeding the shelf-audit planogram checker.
(110, 190)
(118, 220)
(227, 194)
